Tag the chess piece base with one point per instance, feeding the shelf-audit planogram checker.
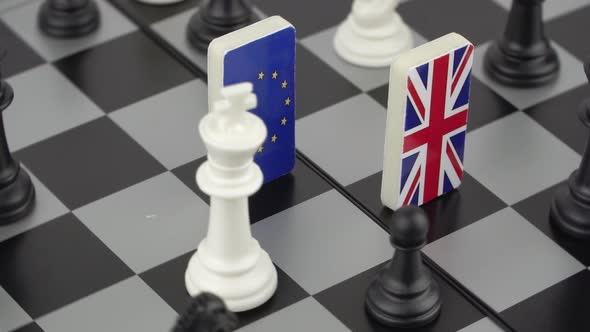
(201, 32)
(375, 47)
(408, 311)
(17, 198)
(570, 211)
(242, 286)
(525, 70)
(69, 24)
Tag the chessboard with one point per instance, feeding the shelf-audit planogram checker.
(107, 127)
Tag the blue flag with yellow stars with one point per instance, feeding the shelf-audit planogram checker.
(268, 62)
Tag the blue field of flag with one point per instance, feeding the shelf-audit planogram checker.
(269, 64)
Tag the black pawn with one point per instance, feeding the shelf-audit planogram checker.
(404, 294)
(206, 313)
(570, 210)
(68, 18)
(17, 193)
(216, 18)
(524, 57)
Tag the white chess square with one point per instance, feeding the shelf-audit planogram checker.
(515, 157)
(170, 134)
(55, 108)
(47, 207)
(482, 325)
(503, 259)
(129, 305)
(312, 241)
(23, 20)
(345, 139)
(305, 315)
(149, 223)
(12, 316)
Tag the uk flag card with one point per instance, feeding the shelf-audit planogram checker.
(427, 115)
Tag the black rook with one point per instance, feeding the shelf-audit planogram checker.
(17, 193)
(570, 210)
(68, 18)
(523, 57)
(216, 18)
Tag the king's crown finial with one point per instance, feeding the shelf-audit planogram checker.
(236, 98)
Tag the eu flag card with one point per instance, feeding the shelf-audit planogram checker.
(426, 121)
(263, 54)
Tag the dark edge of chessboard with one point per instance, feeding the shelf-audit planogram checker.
(466, 293)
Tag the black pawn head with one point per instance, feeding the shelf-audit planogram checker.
(206, 313)
(409, 227)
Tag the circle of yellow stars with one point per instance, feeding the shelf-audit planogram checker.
(284, 85)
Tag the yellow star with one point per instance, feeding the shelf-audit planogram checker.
(275, 75)
(273, 138)
(284, 84)
(288, 101)
(260, 75)
(283, 121)
(260, 148)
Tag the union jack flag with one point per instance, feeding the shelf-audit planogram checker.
(435, 126)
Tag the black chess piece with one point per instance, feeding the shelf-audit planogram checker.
(570, 211)
(523, 57)
(68, 18)
(17, 194)
(206, 313)
(216, 18)
(404, 294)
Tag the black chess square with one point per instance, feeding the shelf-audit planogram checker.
(318, 85)
(536, 210)
(453, 211)
(33, 327)
(56, 264)
(565, 30)
(123, 71)
(276, 196)
(478, 21)
(89, 162)
(485, 105)
(168, 281)
(19, 55)
(149, 14)
(381, 95)
(347, 302)
(561, 307)
(308, 16)
(559, 115)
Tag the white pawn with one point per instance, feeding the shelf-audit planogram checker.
(373, 34)
(229, 262)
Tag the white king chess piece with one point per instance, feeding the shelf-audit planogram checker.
(373, 34)
(229, 262)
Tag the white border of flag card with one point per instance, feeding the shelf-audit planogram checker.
(426, 121)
